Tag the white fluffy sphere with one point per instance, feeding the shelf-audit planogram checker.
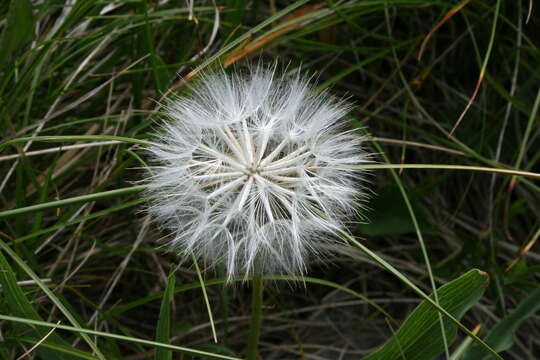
(254, 172)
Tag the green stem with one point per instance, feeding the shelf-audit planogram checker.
(256, 317)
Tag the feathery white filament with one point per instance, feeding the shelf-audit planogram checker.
(254, 172)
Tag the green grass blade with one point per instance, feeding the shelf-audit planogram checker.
(51, 296)
(19, 305)
(80, 219)
(484, 66)
(420, 238)
(66, 349)
(196, 285)
(493, 170)
(159, 70)
(73, 200)
(248, 34)
(204, 354)
(205, 296)
(69, 138)
(163, 330)
(19, 29)
(532, 120)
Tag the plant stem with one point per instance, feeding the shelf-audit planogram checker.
(256, 317)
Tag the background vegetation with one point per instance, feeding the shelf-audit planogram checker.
(434, 82)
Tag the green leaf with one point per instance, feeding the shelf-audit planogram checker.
(164, 323)
(19, 30)
(419, 337)
(501, 337)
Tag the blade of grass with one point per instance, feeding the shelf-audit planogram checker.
(37, 343)
(420, 237)
(239, 40)
(219, 281)
(460, 350)
(81, 219)
(19, 29)
(527, 134)
(453, 11)
(205, 296)
(159, 72)
(73, 200)
(139, 188)
(18, 304)
(290, 23)
(70, 138)
(482, 69)
(532, 175)
(51, 296)
(163, 330)
(67, 349)
(58, 149)
(119, 337)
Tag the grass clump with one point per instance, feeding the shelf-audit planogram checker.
(82, 275)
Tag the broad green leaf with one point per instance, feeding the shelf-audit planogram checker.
(19, 305)
(501, 337)
(19, 30)
(420, 337)
(164, 323)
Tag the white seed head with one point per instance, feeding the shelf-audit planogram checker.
(254, 172)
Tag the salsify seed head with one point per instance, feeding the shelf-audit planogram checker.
(254, 172)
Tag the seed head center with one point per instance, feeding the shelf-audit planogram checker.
(253, 170)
